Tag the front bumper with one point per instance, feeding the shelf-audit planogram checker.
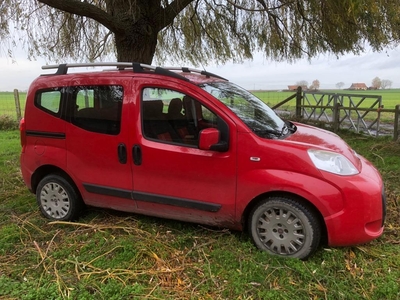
(363, 215)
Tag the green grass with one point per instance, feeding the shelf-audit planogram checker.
(7, 103)
(110, 255)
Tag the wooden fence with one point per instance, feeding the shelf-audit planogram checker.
(341, 110)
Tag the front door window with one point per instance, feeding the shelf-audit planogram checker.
(173, 117)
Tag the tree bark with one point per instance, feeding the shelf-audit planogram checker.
(136, 46)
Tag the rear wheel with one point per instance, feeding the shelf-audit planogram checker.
(284, 227)
(58, 199)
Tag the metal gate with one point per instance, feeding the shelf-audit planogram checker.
(344, 110)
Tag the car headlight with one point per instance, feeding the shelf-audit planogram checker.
(332, 162)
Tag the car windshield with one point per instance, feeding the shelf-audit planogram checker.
(261, 119)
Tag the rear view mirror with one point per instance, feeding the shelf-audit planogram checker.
(209, 139)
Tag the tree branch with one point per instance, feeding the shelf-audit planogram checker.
(87, 10)
(171, 11)
(261, 2)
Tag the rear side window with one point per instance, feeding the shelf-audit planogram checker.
(49, 101)
(97, 108)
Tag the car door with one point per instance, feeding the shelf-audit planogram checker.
(97, 155)
(172, 176)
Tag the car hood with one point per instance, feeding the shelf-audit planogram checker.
(316, 138)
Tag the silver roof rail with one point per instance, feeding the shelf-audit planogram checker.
(120, 65)
(191, 70)
(62, 69)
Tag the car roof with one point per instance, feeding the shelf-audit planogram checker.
(187, 74)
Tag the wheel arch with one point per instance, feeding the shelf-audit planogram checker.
(45, 170)
(301, 200)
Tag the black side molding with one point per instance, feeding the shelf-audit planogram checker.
(146, 197)
(109, 191)
(199, 205)
(46, 134)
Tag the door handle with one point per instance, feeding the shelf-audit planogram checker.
(137, 155)
(122, 155)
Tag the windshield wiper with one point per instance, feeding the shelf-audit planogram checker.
(283, 132)
(263, 131)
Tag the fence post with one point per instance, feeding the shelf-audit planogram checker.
(17, 105)
(336, 117)
(378, 119)
(299, 96)
(396, 123)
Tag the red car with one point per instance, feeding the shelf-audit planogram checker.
(189, 145)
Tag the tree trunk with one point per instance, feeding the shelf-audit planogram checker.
(136, 46)
(136, 39)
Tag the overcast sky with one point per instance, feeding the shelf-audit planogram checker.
(256, 74)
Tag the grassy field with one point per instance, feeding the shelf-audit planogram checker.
(110, 255)
(390, 98)
(7, 103)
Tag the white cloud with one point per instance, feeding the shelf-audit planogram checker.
(19, 74)
(259, 73)
(329, 70)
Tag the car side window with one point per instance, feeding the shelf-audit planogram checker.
(49, 101)
(97, 108)
(174, 117)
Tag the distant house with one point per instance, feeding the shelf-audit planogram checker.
(358, 86)
(294, 87)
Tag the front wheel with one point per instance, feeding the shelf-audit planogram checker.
(284, 227)
(58, 199)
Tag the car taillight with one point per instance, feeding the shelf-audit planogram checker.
(22, 131)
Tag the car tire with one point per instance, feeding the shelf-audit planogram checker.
(284, 227)
(58, 199)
